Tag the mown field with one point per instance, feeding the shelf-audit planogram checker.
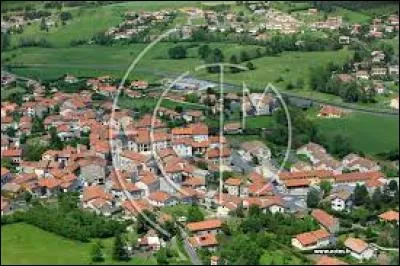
(369, 133)
(26, 244)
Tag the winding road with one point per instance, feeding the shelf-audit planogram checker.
(227, 86)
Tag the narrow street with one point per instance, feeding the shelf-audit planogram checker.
(194, 258)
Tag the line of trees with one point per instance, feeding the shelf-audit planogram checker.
(67, 220)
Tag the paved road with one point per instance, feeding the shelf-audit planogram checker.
(189, 249)
(384, 248)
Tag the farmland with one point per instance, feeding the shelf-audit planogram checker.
(89, 20)
(26, 244)
(368, 133)
(94, 60)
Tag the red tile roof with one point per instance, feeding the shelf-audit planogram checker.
(207, 240)
(297, 183)
(356, 244)
(390, 216)
(324, 218)
(358, 176)
(310, 238)
(136, 206)
(204, 225)
(94, 192)
(49, 182)
(12, 153)
(306, 174)
(325, 260)
(233, 182)
(159, 196)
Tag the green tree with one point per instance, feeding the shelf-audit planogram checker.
(340, 145)
(204, 51)
(177, 52)
(244, 56)
(33, 151)
(194, 214)
(179, 109)
(313, 198)
(97, 252)
(376, 199)
(43, 24)
(360, 195)
(65, 15)
(37, 125)
(250, 65)
(216, 56)
(326, 187)
(55, 141)
(234, 61)
(27, 196)
(10, 131)
(119, 251)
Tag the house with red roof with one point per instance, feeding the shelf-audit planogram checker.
(95, 198)
(311, 240)
(326, 220)
(235, 187)
(49, 186)
(148, 182)
(132, 161)
(328, 111)
(139, 84)
(122, 187)
(206, 241)
(326, 260)
(13, 154)
(389, 216)
(212, 226)
(161, 199)
(360, 249)
(93, 170)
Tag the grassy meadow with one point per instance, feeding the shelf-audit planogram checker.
(26, 244)
(369, 133)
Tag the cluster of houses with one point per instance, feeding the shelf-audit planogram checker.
(372, 74)
(320, 166)
(131, 164)
(13, 23)
(325, 237)
(279, 21)
(380, 27)
(331, 23)
(137, 22)
(138, 155)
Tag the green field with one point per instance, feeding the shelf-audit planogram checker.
(351, 16)
(89, 20)
(367, 132)
(48, 63)
(26, 244)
